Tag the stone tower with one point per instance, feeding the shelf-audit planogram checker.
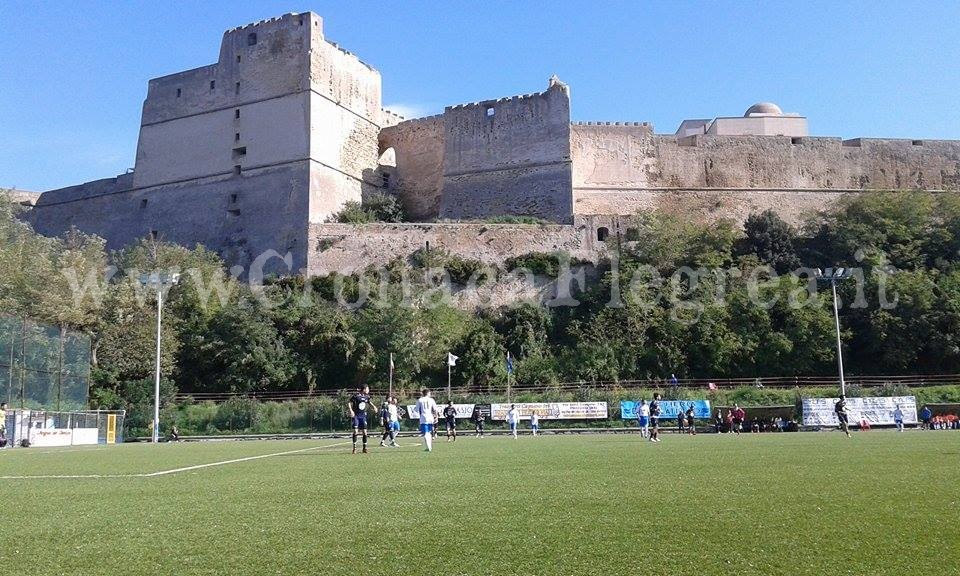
(244, 154)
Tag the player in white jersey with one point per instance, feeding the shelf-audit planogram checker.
(643, 419)
(390, 416)
(513, 419)
(427, 407)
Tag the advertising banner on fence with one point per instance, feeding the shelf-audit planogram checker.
(879, 410)
(463, 410)
(668, 408)
(51, 437)
(552, 410)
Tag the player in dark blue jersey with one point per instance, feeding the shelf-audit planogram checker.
(655, 418)
(357, 406)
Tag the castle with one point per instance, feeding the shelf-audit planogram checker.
(256, 152)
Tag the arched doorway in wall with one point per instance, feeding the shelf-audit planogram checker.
(602, 233)
(387, 166)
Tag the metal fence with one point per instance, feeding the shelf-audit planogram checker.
(43, 366)
(61, 428)
(775, 382)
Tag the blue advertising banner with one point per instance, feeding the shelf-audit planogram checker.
(668, 408)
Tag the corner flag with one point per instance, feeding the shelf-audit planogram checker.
(451, 359)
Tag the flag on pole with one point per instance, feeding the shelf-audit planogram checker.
(391, 362)
(509, 364)
(451, 359)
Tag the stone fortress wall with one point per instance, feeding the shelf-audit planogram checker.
(619, 169)
(257, 151)
(242, 155)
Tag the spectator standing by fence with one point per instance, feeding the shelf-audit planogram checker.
(534, 424)
(925, 416)
(738, 416)
(898, 418)
(3, 424)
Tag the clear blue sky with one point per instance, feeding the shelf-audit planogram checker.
(73, 75)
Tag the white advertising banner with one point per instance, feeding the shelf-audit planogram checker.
(51, 437)
(877, 410)
(463, 410)
(84, 436)
(552, 410)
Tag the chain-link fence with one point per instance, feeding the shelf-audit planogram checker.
(56, 428)
(43, 366)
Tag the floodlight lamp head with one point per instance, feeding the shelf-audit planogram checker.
(157, 279)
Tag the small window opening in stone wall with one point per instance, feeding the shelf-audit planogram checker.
(236, 88)
(234, 211)
(491, 111)
(236, 137)
(602, 233)
(233, 198)
(237, 170)
(143, 203)
(236, 113)
(251, 39)
(179, 92)
(301, 19)
(213, 84)
(154, 234)
(796, 141)
(238, 58)
(917, 142)
(240, 152)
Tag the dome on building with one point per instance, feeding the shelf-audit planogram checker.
(763, 108)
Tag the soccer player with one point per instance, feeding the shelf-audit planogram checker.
(691, 427)
(643, 419)
(385, 421)
(427, 407)
(357, 405)
(478, 420)
(840, 409)
(450, 415)
(898, 418)
(534, 424)
(390, 420)
(513, 418)
(655, 418)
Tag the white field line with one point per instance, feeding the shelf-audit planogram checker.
(173, 470)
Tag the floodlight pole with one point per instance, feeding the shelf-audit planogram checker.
(158, 281)
(156, 387)
(836, 320)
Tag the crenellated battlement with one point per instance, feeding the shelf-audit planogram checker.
(624, 124)
(250, 153)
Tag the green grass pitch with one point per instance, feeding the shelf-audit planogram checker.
(809, 503)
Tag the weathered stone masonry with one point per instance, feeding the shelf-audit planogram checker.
(256, 152)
